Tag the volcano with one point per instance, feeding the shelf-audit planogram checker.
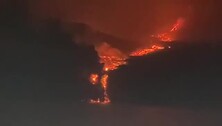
(45, 78)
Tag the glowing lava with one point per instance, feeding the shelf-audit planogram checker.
(104, 82)
(110, 57)
(105, 99)
(94, 79)
(113, 58)
(145, 51)
(169, 36)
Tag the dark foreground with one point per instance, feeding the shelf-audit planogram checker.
(72, 114)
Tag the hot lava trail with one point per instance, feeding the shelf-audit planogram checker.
(113, 58)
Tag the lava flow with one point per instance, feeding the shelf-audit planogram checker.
(94, 78)
(113, 58)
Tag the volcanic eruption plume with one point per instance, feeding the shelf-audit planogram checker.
(113, 58)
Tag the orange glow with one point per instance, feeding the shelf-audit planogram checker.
(99, 101)
(94, 78)
(104, 80)
(113, 58)
(106, 69)
(164, 37)
(142, 52)
(106, 99)
(112, 63)
(178, 25)
(169, 36)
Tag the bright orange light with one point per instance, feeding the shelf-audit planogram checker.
(112, 63)
(164, 37)
(142, 52)
(106, 69)
(156, 47)
(178, 25)
(146, 51)
(113, 58)
(104, 80)
(106, 99)
(94, 78)
(169, 36)
(110, 57)
(98, 101)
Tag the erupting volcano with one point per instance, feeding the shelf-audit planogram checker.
(113, 58)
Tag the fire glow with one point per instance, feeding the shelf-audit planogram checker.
(94, 79)
(112, 58)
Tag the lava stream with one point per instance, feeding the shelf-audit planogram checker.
(113, 58)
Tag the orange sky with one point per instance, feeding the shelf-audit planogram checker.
(127, 19)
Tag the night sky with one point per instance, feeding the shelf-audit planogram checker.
(44, 71)
(135, 19)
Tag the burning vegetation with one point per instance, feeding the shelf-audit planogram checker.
(113, 58)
